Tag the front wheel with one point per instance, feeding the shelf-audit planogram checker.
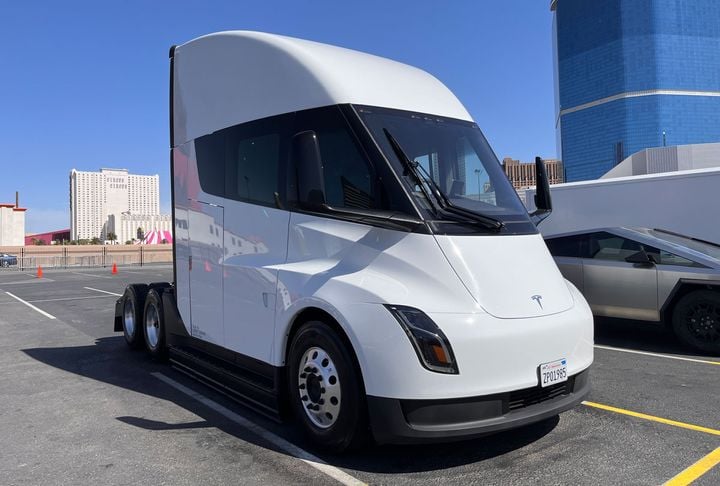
(696, 320)
(325, 389)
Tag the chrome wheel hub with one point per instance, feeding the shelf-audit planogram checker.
(319, 387)
(129, 317)
(152, 326)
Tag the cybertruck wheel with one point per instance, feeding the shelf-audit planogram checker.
(154, 325)
(325, 389)
(696, 320)
(132, 315)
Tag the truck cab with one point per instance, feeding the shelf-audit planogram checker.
(349, 252)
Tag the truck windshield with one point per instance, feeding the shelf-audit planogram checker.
(457, 157)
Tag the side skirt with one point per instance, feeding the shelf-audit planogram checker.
(250, 382)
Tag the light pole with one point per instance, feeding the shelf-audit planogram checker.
(477, 172)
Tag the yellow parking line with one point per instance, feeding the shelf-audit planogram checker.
(696, 470)
(653, 418)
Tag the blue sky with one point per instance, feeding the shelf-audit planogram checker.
(84, 84)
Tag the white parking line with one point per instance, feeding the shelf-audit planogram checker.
(103, 291)
(63, 299)
(49, 316)
(309, 459)
(657, 355)
(70, 298)
(91, 275)
(23, 282)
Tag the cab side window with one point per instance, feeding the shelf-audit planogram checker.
(210, 155)
(242, 162)
(566, 246)
(252, 168)
(606, 246)
(349, 177)
(253, 153)
(664, 257)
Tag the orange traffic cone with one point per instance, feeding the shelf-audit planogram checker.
(114, 269)
(39, 272)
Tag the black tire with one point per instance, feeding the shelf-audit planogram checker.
(154, 325)
(5, 263)
(132, 316)
(349, 427)
(696, 320)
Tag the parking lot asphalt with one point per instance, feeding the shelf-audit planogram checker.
(78, 407)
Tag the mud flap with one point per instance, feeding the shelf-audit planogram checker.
(119, 304)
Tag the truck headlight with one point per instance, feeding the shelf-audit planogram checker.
(431, 345)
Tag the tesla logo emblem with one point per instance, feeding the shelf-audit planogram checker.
(537, 298)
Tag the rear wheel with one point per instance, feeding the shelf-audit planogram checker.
(133, 302)
(154, 324)
(696, 320)
(325, 389)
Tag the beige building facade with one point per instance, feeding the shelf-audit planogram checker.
(127, 225)
(99, 199)
(522, 174)
(12, 225)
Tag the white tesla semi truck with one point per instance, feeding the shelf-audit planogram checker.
(349, 251)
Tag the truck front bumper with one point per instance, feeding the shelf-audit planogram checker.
(400, 421)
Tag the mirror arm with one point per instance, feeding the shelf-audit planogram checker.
(539, 215)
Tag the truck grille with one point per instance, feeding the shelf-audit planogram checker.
(531, 396)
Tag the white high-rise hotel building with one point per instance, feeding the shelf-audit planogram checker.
(99, 201)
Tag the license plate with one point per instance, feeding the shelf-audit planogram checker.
(553, 372)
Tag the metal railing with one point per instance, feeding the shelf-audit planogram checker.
(57, 256)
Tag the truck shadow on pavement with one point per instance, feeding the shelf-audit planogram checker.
(110, 361)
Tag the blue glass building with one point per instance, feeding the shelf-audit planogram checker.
(627, 71)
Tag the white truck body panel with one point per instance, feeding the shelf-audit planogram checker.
(685, 202)
(349, 270)
(272, 74)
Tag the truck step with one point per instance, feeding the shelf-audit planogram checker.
(255, 392)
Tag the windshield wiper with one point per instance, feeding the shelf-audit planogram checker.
(423, 179)
(410, 166)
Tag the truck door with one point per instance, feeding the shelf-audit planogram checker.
(206, 232)
(256, 232)
(614, 287)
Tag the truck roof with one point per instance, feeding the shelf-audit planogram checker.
(232, 77)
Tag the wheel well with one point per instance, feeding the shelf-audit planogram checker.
(680, 291)
(159, 287)
(315, 314)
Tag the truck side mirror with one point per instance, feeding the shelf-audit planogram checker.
(543, 201)
(310, 175)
